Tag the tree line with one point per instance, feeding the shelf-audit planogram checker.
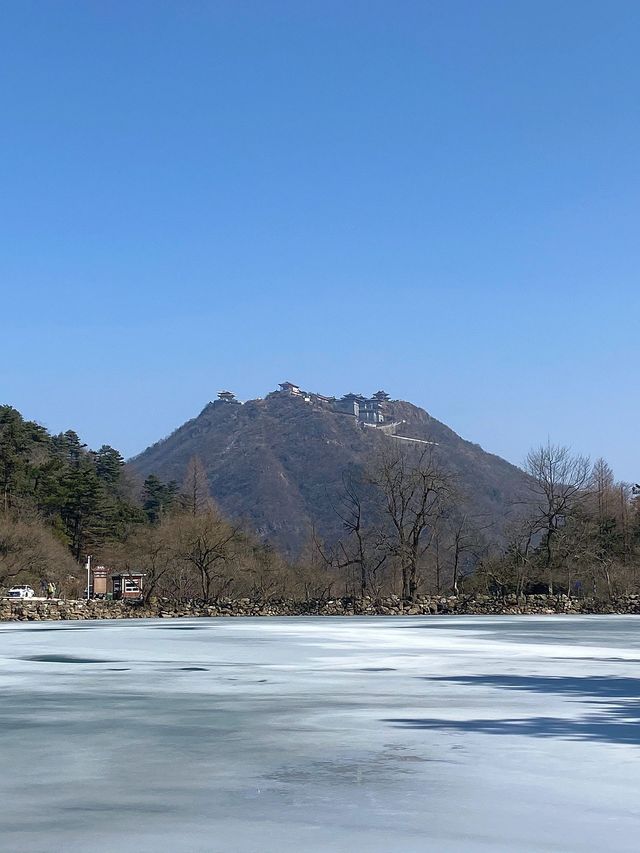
(406, 528)
(578, 532)
(575, 530)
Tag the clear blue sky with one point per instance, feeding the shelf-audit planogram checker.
(436, 198)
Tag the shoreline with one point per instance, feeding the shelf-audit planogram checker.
(55, 610)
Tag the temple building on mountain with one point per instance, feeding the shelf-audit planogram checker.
(290, 388)
(366, 410)
(371, 410)
(227, 397)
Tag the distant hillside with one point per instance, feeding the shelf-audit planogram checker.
(278, 462)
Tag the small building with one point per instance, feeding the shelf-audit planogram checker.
(290, 388)
(347, 407)
(99, 579)
(322, 400)
(349, 404)
(372, 411)
(367, 410)
(227, 397)
(127, 585)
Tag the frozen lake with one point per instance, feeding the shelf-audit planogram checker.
(301, 735)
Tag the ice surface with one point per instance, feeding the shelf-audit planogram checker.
(508, 735)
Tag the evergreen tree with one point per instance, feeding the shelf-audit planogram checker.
(109, 465)
(23, 446)
(83, 507)
(158, 498)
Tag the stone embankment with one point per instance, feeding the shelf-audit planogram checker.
(35, 611)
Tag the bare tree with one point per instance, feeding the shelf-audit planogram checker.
(364, 550)
(29, 551)
(602, 489)
(264, 570)
(314, 575)
(519, 552)
(415, 490)
(206, 544)
(558, 481)
(195, 494)
(151, 550)
(466, 542)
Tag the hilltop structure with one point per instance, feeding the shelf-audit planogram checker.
(227, 397)
(367, 410)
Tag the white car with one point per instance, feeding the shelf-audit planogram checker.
(21, 591)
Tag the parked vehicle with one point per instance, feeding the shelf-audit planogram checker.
(21, 591)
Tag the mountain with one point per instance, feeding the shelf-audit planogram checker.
(278, 462)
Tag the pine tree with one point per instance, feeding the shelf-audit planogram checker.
(158, 498)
